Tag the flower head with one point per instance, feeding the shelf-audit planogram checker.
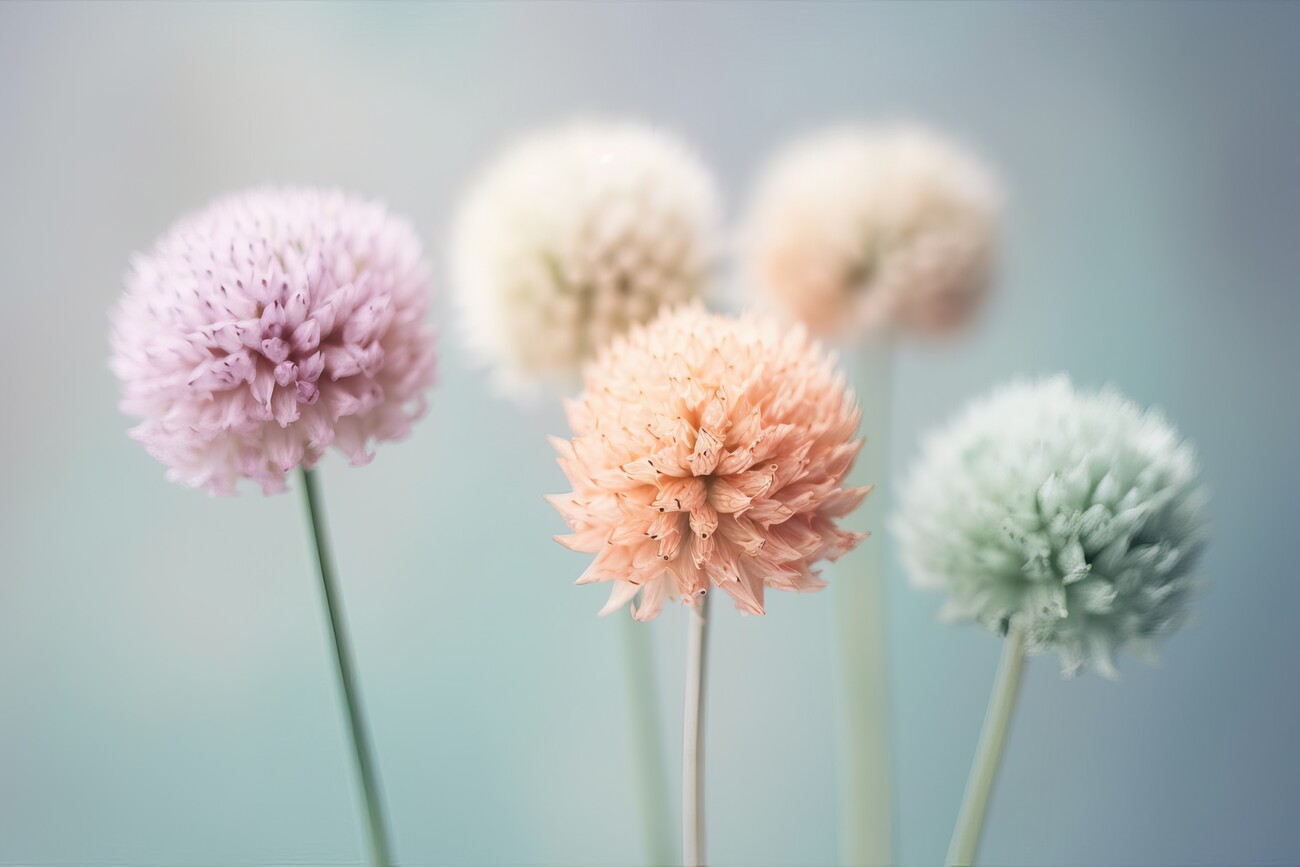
(709, 449)
(267, 326)
(573, 235)
(1077, 515)
(856, 229)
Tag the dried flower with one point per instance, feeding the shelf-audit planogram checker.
(709, 449)
(857, 229)
(573, 235)
(1076, 514)
(268, 326)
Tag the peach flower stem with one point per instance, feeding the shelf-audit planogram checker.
(376, 824)
(693, 737)
(866, 782)
(988, 755)
(648, 742)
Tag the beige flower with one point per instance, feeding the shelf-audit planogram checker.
(856, 229)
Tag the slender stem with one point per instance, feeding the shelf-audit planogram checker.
(648, 742)
(693, 737)
(866, 770)
(376, 825)
(988, 755)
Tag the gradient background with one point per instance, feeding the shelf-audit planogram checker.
(164, 677)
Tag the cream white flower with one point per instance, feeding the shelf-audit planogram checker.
(854, 229)
(1077, 514)
(573, 235)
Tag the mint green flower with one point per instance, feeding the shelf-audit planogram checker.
(1078, 515)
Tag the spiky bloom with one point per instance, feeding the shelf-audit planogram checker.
(1077, 515)
(269, 325)
(709, 449)
(855, 229)
(571, 236)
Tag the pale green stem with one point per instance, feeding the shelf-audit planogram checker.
(693, 737)
(988, 755)
(866, 783)
(376, 825)
(648, 742)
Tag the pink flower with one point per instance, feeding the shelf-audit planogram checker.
(709, 449)
(269, 325)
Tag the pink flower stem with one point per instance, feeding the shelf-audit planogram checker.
(376, 824)
(693, 737)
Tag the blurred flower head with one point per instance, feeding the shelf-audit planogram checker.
(855, 229)
(1077, 515)
(709, 450)
(267, 326)
(573, 235)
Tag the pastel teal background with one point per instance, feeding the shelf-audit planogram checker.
(165, 690)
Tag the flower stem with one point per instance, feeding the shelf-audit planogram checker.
(866, 771)
(376, 824)
(693, 737)
(648, 742)
(988, 755)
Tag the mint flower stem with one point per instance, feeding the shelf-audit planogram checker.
(988, 755)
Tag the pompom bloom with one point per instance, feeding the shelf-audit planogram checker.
(1076, 514)
(268, 326)
(709, 449)
(856, 229)
(573, 235)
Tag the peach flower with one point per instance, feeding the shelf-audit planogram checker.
(709, 449)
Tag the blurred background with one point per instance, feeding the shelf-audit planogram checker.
(167, 691)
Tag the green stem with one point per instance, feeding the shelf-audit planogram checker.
(648, 742)
(693, 736)
(866, 771)
(988, 755)
(376, 824)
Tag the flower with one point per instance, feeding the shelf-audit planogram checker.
(1075, 514)
(573, 235)
(854, 229)
(709, 449)
(267, 326)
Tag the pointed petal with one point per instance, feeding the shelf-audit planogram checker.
(619, 595)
